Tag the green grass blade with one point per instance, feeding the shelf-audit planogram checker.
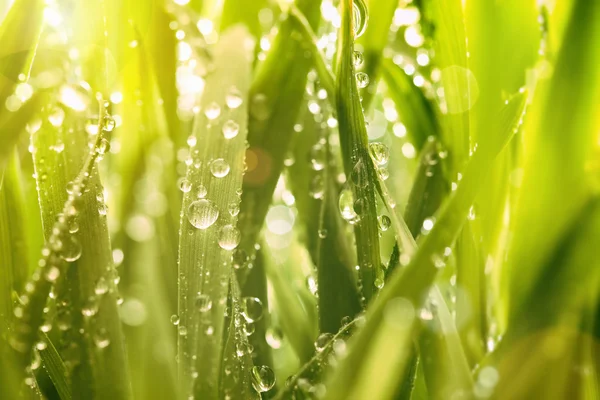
(208, 233)
(359, 168)
(55, 367)
(19, 34)
(275, 100)
(566, 103)
(374, 40)
(412, 282)
(415, 111)
(83, 258)
(318, 210)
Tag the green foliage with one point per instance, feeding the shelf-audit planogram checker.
(317, 199)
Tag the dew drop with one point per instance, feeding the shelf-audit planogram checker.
(108, 123)
(346, 205)
(71, 250)
(203, 302)
(239, 258)
(380, 153)
(101, 339)
(184, 185)
(252, 309)
(175, 319)
(229, 237)
(212, 111)
(384, 222)
(234, 98)
(362, 80)
(202, 213)
(322, 233)
(56, 117)
(359, 175)
(219, 168)
(274, 337)
(263, 378)
(322, 341)
(103, 146)
(230, 129)
(101, 286)
(359, 59)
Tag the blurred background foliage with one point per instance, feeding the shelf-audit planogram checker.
(298, 199)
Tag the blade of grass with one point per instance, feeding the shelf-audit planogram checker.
(414, 110)
(55, 367)
(275, 100)
(412, 282)
(566, 103)
(324, 229)
(358, 166)
(88, 250)
(208, 233)
(374, 40)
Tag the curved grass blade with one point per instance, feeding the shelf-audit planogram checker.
(275, 99)
(413, 282)
(208, 232)
(84, 259)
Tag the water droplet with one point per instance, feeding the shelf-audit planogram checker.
(249, 329)
(234, 209)
(229, 237)
(203, 302)
(56, 117)
(182, 330)
(202, 213)
(52, 273)
(252, 309)
(427, 225)
(234, 98)
(274, 337)
(201, 192)
(384, 222)
(346, 205)
(71, 250)
(362, 80)
(263, 378)
(103, 146)
(346, 320)
(322, 233)
(108, 123)
(230, 129)
(219, 168)
(239, 258)
(359, 59)
(191, 140)
(260, 107)
(184, 185)
(360, 175)
(380, 153)
(322, 341)
(101, 338)
(212, 111)
(101, 286)
(361, 17)
(175, 319)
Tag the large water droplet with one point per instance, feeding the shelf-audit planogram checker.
(263, 378)
(71, 250)
(212, 111)
(229, 237)
(360, 175)
(274, 337)
(379, 152)
(362, 80)
(230, 129)
(322, 341)
(219, 168)
(252, 309)
(234, 98)
(202, 213)
(346, 205)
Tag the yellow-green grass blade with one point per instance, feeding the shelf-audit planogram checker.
(208, 232)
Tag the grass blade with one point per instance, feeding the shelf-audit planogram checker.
(358, 165)
(55, 367)
(208, 233)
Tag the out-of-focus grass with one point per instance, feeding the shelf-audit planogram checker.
(256, 199)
